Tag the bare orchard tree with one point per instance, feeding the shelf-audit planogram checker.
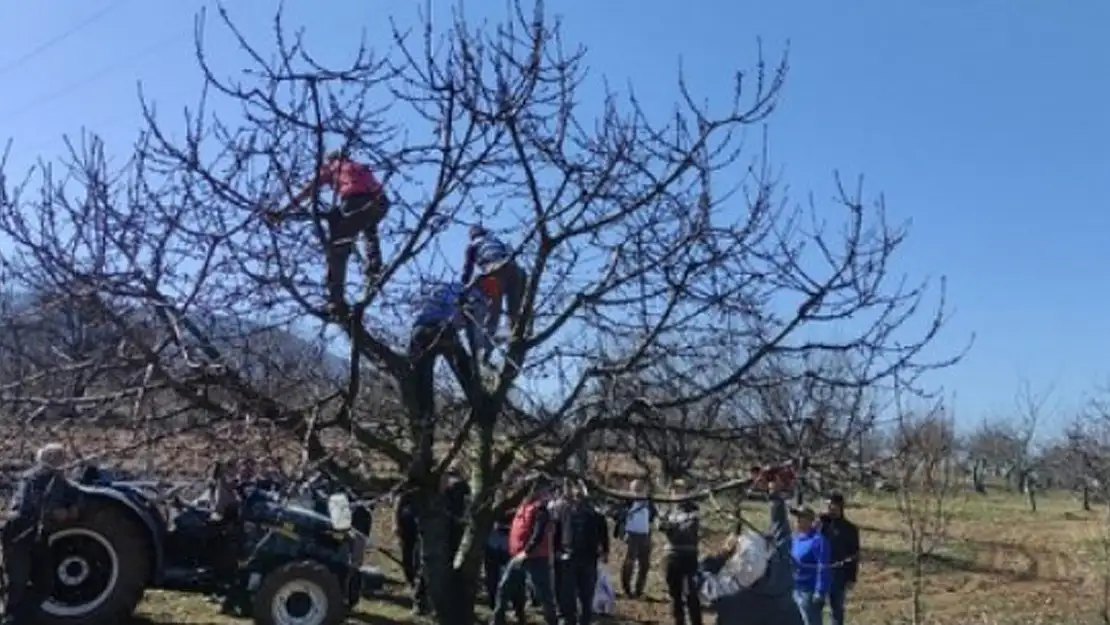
(1089, 440)
(1006, 444)
(924, 463)
(810, 409)
(63, 358)
(817, 411)
(684, 441)
(625, 252)
(1061, 467)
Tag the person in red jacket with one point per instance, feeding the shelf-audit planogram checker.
(530, 549)
(362, 204)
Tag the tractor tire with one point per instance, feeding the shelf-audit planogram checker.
(101, 564)
(300, 592)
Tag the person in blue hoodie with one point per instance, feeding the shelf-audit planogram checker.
(812, 566)
(445, 311)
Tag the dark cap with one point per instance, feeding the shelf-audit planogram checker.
(837, 499)
(541, 485)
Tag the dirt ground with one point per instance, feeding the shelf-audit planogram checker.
(999, 564)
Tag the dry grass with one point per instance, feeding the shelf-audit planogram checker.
(1002, 564)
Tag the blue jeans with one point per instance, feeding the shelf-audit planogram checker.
(838, 592)
(809, 607)
(538, 572)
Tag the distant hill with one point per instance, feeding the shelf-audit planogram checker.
(36, 330)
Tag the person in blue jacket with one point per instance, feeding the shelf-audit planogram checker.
(445, 311)
(812, 572)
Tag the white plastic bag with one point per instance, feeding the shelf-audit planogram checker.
(746, 566)
(604, 597)
(710, 588)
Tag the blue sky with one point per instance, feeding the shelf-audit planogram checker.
(985, 122)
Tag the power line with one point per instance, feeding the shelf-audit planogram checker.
(50, 43)
(90, 127)
(89, 79)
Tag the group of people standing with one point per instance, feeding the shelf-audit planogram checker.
(547, 552)
(555, 543)
(825, 550)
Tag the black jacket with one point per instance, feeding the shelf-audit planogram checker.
(404, 515)
(41, 491)
(682, 527)
(581, 533)
(457, 495)
(843, 537)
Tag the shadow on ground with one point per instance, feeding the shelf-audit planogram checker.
(376, 619)
(1030, 565)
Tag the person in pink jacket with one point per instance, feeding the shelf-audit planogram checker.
(361, 206)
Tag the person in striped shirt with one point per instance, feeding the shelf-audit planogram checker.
(499, 277)
(681, 526)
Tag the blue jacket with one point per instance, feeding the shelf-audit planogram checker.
(812, 572)
(449, 305)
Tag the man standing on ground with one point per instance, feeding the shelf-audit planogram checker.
(496, 560)
(637, 537)
(407, 532)
(530, 544)
(682, 527)
(44, 497)
(456, 493)
(456, 490)
(843, 538)
(812, 574)
(582, 539)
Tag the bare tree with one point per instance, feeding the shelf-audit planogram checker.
(1089, 440)
(625, 250)
(812, 409)
(1006, 444)
(696, 440)
(1061, 466)
(924, 446)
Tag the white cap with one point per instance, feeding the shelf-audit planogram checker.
(52, 455)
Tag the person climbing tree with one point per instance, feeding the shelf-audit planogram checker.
(446, 310)
(499, 276)
(362, 204)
